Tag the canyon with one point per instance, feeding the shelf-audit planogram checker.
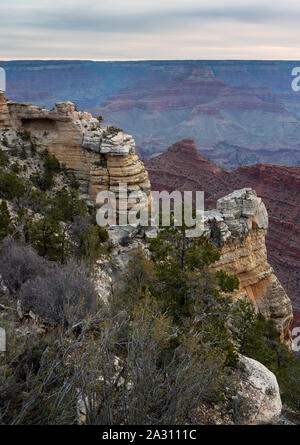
(103, 156)
(236, 222)
(238, 112)
(183, 167)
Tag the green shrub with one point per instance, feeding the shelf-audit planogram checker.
(258, 339)
(15, 152)
(4, 141)
(44, 181)
(185, 287)
(65, 206)
(33, 149)
(11, 186)
(74, 183)
(16, 168)
(25, 135)
(38, 201)
(3, 159)
(51, 163)
(23, 153)
(113, 130)
(227, 283)
(101, 163)
(5, 221)
(88, 239)
(46, 237)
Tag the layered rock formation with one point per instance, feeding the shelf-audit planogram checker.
(5, 121)
(100, 157)
(279, 188)
(238, 227)
(103, 157)
(236, 121)
(240, 112)
(182, 167)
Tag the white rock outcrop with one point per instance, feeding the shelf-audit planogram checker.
(237, 227)
(258, 392)
(237, 214)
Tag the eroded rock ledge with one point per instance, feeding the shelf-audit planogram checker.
(100, 157)
(238, 228)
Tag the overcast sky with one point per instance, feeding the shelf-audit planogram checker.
(149, 29)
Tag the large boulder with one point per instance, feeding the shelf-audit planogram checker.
(258, 398)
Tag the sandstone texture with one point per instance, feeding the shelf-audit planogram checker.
(238, 228)
(182, 167)
(100, 157)
(2, 340)
(279, 188)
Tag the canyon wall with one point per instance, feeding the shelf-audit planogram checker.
(182, 167)
(237, 227)
(100, 157)
(239, 112)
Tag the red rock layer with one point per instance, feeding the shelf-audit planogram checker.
(182, 167)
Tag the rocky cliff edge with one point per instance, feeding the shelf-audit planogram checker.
(100, 157)
(238, 227)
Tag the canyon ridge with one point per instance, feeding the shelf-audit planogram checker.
(183, 167)
(101, 157)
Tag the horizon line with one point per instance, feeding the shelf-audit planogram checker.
(146, 60)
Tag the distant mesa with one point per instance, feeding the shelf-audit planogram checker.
(238, 112)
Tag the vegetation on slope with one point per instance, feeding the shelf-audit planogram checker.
(161, 347)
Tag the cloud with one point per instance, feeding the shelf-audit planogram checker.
(128, 29)
(133, 16)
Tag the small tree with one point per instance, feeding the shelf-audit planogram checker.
(66, 205)
(5, 221)
(37, 200)
(182, 267)
(51, 163)
(3, 159)
(48, 239)
(11, 187)
(88, 239)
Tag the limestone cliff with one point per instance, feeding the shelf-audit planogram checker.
(183, 167)
(100, 157)
(238, 228)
